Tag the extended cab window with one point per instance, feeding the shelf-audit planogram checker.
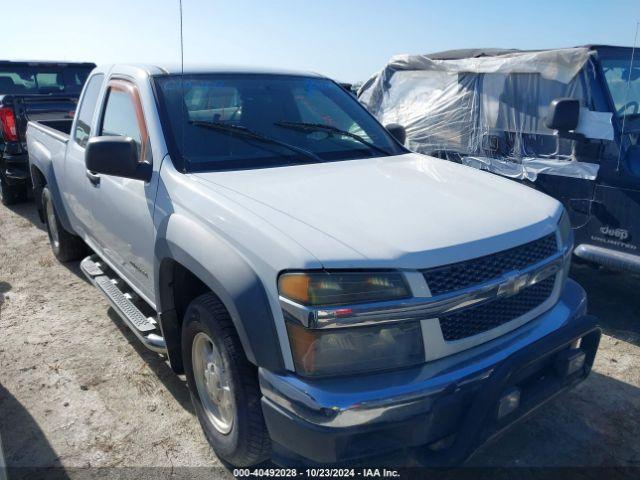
(85, 113)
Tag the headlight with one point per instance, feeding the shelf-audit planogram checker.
(345, 288)
(343, 351)
(321, 348)
(566, 233)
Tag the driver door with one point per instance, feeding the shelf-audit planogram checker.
(123, 208)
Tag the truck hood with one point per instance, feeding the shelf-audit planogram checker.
(407, 211)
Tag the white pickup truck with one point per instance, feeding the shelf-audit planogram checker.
(329, 295)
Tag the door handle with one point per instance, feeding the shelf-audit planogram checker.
(93, 177)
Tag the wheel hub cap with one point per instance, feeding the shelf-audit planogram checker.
(213, 383)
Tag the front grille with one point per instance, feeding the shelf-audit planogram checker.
(486, 316)
(479, 270)
(475, 320)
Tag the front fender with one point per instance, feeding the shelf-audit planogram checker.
(228, 275)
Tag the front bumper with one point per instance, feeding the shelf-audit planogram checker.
(438, 413)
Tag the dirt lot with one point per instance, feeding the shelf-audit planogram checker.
(78, 390)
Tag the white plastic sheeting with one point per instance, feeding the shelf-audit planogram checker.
(529, 168)
(489, 111)
(595, 124)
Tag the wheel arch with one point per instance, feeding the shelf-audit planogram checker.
(38, 181)
(185, 269)
(44, 175)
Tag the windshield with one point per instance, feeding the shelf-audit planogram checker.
(623, 80)
(42, 80)
(236, 121)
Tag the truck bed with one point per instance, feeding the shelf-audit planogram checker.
(47, 143)
(42, 108)
(58, 129)
(60, 126)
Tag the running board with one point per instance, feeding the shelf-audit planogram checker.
(145, 328)
(609, 258)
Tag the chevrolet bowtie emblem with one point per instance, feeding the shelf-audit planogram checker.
(513, 283)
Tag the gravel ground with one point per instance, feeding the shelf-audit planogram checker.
(78, 390)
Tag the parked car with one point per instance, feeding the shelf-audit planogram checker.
(32, 91)
(329, 295)
(490, 109)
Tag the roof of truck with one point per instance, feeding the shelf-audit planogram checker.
(496, 52)
(174, 69)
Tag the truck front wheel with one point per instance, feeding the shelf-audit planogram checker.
(223, 384)
(65, 245)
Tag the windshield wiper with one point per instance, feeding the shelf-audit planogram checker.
(243, 132)
(314, 127)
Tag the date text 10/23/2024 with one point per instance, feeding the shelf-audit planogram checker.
(316, 472)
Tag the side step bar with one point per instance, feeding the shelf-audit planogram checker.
(145, 328)
(609, 258)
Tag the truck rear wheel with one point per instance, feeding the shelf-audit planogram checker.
(66, 246)
(223, 384)
(12, 194)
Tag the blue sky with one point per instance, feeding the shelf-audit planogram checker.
(345, 39)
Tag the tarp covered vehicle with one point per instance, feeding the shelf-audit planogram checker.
(566, 121)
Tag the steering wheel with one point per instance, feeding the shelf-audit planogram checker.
(634, 104)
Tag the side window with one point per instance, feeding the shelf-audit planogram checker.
(120, 116)
(85, 113)
(123, 116)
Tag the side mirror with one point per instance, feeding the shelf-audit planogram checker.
(117, 156)
(397, 131)
(563, 115)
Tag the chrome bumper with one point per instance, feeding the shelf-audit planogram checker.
(367, 399)
(449, 405)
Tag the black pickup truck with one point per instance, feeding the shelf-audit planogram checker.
(32, 91)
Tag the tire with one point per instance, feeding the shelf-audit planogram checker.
(66, 246)
(12, 194)
(245, 441)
